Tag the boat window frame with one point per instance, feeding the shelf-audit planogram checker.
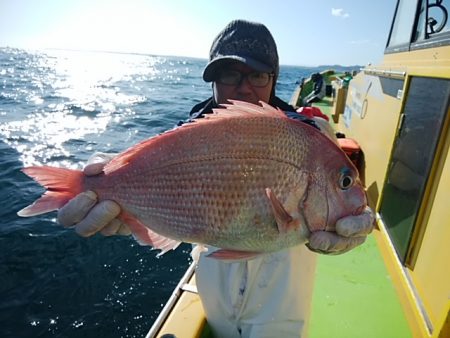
(428, 41)
(407, 248)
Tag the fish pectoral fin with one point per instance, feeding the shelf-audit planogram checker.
(233, 255)
(284, 220)
(145, 236)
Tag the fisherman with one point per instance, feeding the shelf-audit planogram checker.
(318, 90)
(270, 295)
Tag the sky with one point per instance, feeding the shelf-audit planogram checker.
(307, 32)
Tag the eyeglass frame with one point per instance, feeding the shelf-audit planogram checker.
(242, 76)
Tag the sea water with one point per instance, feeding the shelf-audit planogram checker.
(57, 108)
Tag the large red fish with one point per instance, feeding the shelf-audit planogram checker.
(246, 179)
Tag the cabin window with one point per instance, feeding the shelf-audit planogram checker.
(403, 21)
(432, 20)
(437, 17)
(424, 114)
(419, 24)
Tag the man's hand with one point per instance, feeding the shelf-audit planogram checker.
(86, 215)
(350, 232)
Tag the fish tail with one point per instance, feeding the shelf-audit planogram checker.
(61, 184)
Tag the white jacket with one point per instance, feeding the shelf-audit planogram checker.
(268, 296)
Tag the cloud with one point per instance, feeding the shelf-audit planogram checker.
(339, 12)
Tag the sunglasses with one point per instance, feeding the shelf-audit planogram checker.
(235, 78)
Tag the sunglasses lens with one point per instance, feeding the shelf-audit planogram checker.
(234, 78)
(230, 77)
(258, 79)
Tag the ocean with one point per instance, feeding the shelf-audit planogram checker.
(57, 108)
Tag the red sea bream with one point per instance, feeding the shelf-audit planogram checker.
(246, 179)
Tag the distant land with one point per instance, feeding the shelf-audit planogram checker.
(338, 68)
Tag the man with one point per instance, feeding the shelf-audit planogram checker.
(270, 295)
(318, 91)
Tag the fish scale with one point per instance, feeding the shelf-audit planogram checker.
(219, 206)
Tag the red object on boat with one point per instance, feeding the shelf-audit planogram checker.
(352, 149)
(312, 112)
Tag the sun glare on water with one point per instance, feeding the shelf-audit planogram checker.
(69, 99)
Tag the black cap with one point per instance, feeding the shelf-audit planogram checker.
(248, 42)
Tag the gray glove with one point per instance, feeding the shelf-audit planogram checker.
(351, 231)
(86, 215)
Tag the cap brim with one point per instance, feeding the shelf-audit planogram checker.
(212, 67)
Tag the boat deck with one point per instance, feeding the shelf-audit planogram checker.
(354, 297)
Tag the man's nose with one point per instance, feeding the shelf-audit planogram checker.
(244, 85)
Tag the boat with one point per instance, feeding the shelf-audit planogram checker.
(393, 120)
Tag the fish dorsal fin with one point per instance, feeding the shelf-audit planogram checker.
(243, 109)
(126, 156)
(236, 109)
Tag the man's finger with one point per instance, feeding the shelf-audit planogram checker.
(97, 162)
(330, 243)
(94, 168)
(112, 228)
(77, 208)
(100, 215)
(116, 227)
(356, 226)
(124, 230)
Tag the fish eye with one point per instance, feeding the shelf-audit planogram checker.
(346, 179)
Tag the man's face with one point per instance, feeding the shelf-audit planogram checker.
(243, 91)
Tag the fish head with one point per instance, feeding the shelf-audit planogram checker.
(345, 195)
(334, 191)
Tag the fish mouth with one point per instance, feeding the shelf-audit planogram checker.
(359, 210)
